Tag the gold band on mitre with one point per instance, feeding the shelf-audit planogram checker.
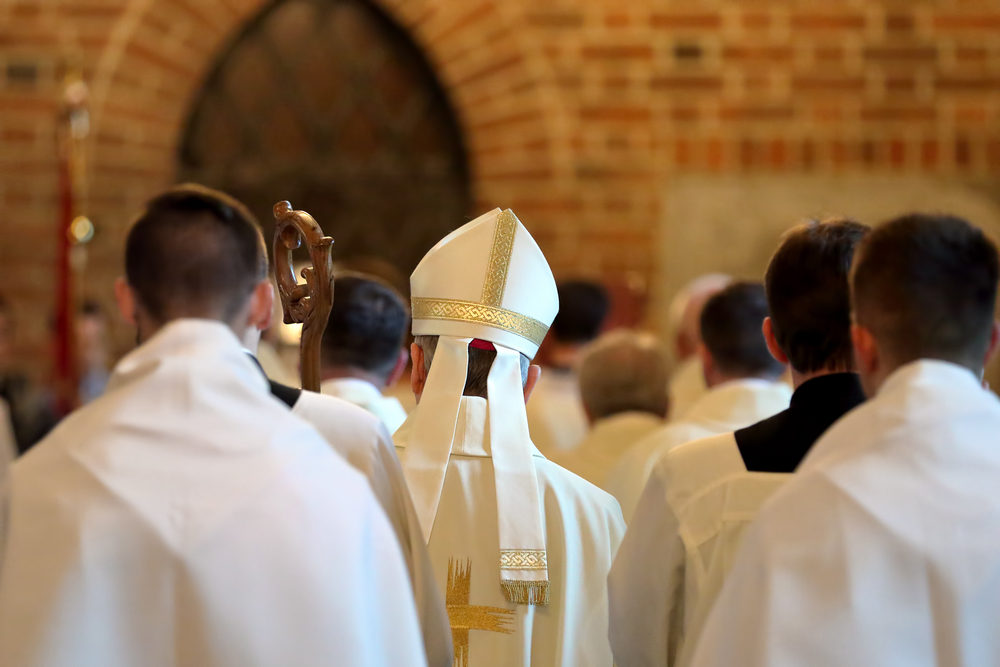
(476, 313)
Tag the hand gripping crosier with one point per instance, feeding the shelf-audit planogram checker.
(307, 303)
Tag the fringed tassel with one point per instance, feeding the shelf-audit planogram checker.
(525, 592)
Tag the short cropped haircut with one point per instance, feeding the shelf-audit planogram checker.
(583, 306)
(624, 371)
(194, 252)
(808, 295)
(731, 324)
(926, 288)
(480, 363)
(367, 325)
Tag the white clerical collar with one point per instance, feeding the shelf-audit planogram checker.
(930, 371)
(472, 433)
(736, 399)
(194, 339)
(472, 437)
(354, 390)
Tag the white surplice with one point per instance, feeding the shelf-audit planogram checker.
(683, 535)
(724, 408)
(883, 548)
(686, 387)
(606, 443)
(366, 395)
(583, 527)
(556, 418)
(361, 438)
(186, 517)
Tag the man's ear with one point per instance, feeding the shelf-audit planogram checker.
(261, 306)
(991, 349)
(707, 363)
(772, 342)
(418, 375)
(397, 371)
(125, 297)
(866, 353)
(534, 372)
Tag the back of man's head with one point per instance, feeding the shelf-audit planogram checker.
(583, 305)
(731, 324)
(194, 252)
(481, 358)
(624, 371)
(366, 327)
(808, 296)
(925, 287)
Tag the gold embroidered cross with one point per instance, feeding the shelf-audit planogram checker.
(464, 616)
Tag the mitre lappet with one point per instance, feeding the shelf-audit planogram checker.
(485, 284)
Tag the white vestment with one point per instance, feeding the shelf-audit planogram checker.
(362, 440)
(186, 517)
(556, 418)
(724, 408)
(606, 443)
(583, 528)
(366, 395)
(883, 549)
(688, 524)
(686, 386)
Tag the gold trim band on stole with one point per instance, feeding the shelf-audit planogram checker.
(517, 559)
(477, 313)
(499, 264)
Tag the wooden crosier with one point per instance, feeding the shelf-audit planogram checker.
(307, 303)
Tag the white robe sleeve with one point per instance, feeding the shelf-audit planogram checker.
(368, 448)
(646, 584)
(390, 489)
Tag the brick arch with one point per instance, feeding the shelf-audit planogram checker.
(159, 52)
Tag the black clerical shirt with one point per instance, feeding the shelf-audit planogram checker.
(779, 444)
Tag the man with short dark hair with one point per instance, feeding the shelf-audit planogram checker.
(362, 351)
(186, 516)
(702, 494)
(555, 413)
(743, 381)
(882, 549)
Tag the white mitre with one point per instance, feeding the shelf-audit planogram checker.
(487, 280)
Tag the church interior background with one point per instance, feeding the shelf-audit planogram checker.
(641, 143)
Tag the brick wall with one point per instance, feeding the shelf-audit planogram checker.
(576, 114)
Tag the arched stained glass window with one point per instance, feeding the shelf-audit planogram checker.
(329, 104)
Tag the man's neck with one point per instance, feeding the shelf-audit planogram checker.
(564, 356)
(799, 379)
(341, 372)
(717, 379)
